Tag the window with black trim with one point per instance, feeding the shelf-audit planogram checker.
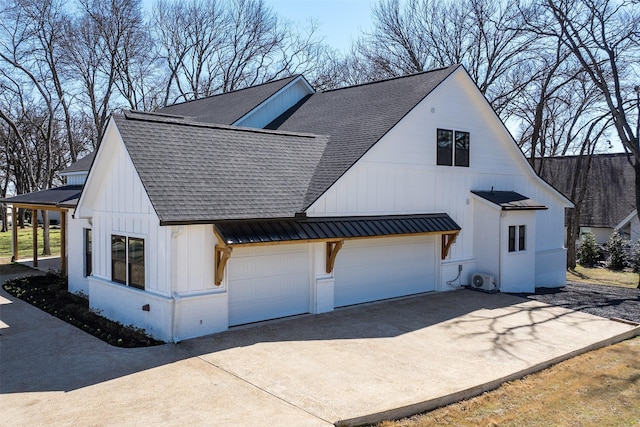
(452, 148)
(127, 261)
(88, 255)
(517, 238)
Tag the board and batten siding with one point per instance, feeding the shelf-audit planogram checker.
(124, 208)
(399, 174)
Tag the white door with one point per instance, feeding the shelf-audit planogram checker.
(268, 282)
(375, 269)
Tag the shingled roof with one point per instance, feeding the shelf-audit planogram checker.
(82, 165)
(355, 118)
(200, 172)
(610, 196)
(196, 172)
(227, 108)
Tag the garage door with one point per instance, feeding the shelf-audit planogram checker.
(375, 269)
(268, 282)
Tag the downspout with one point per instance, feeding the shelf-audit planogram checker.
(177, 231)
(502, 215)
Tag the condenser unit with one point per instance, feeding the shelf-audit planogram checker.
(484, 282)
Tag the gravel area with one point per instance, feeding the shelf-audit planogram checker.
(600, 300)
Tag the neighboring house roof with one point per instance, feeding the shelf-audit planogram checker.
(82, 165)
(54, 197)
(355, 117)
(510, 200)
(227, 108)
(610, 194)
(197, 172)
(297, 229)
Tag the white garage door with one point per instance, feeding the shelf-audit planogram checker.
(268, 282)
(375, 269)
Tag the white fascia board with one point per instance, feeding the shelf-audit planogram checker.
(626, 220)
(293, 82)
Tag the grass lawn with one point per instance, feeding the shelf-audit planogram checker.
(599, 388)
(25, 238)
(603, 276)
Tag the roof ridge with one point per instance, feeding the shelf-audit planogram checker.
(188, 121)
(234, 91)
(453, 67)
(571, 156)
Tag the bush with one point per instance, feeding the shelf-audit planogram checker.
(49, 293)
(589, 253)
(617, 246)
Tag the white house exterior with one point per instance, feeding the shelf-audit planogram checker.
(197, 225)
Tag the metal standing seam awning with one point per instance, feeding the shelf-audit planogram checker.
(59, 199)
(331, 230)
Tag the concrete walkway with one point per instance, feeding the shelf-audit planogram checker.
(350, 366)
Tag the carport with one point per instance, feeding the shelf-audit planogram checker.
(59, 199)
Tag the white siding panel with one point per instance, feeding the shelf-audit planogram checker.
(374, 269)
(268, 282)
(399, 175)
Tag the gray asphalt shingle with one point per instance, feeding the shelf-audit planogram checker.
(195, 172)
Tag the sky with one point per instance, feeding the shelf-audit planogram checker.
(340, 21)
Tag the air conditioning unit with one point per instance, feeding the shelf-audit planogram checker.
(483, 282)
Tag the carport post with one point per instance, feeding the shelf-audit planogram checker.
(34, 225)
(14, 232)
(63, 241)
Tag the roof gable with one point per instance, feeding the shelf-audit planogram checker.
(355, 117)
(198, 172)
(227, 108)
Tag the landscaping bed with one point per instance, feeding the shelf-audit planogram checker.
(49, 293)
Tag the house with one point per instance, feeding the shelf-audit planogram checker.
(277, 200)
(609, 203)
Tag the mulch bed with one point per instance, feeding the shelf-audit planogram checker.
(599, 300)
(49, 293)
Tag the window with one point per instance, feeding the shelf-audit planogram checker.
(450, 154)
(88, 262)
(445, 147)
(517, 238)
(127, 261)
(462, 149)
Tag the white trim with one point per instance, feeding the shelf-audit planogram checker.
(626, 220)
(263, 104)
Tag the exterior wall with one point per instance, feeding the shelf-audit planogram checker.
(77, 178)
(517, 269)
(276, 105)
(399, 174)
(486, 241)
(78, 282)
(118, 204)
(600, 233)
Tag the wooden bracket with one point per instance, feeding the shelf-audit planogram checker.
(222, 255)
(332, 250)
(447, 241)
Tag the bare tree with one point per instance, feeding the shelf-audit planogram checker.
(210, 47)
(486, 36)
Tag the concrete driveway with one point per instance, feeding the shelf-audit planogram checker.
(351, 366)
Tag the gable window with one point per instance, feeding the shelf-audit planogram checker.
(462, 149)
(445, 147)
(452, 148)
(517, 238)
(127, 261)
(88, 255)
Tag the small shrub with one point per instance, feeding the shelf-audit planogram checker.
(589, 253)
(634, 259)
(617, 245)
(49, 294)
